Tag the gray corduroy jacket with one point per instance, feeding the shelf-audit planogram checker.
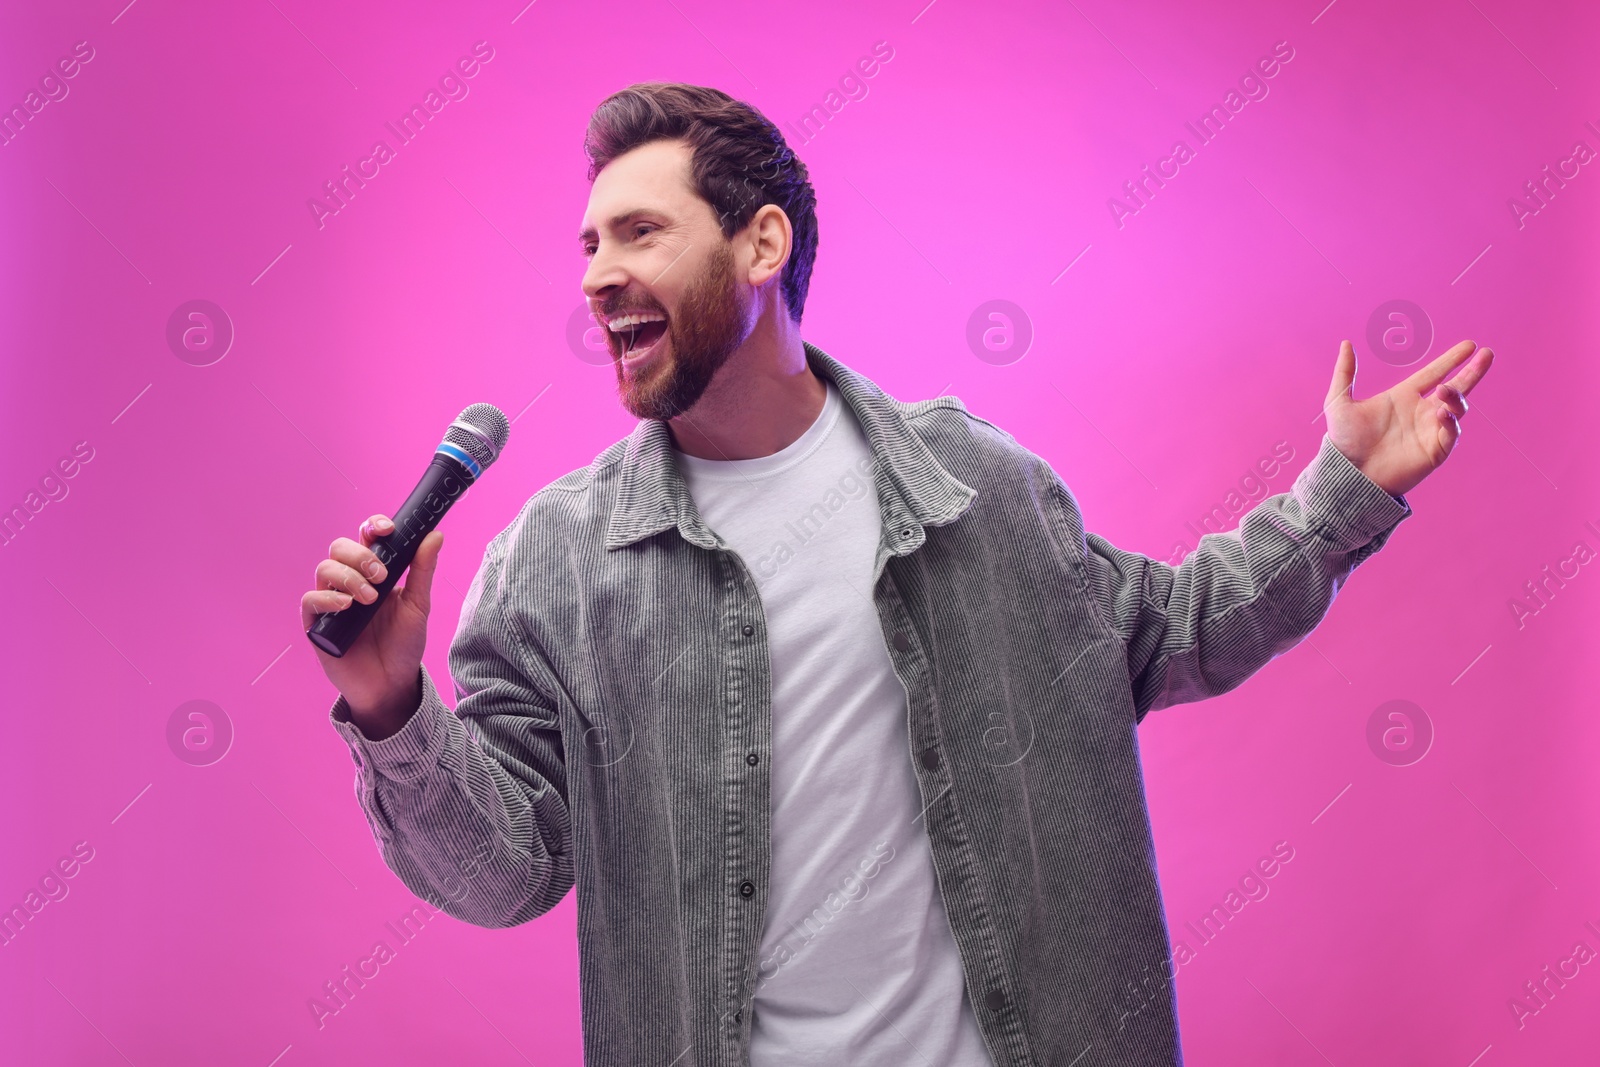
(612, 682)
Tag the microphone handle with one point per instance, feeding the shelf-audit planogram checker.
(444, 482)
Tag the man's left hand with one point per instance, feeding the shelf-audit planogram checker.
(1399, 436)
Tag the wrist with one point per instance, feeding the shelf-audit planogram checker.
(384, 716)
(1381, 477)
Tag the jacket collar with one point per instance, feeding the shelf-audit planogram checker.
(914, 489)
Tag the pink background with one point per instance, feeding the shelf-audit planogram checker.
(1177, 351)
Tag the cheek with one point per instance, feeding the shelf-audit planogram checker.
(683, 291)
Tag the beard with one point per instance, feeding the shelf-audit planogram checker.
(708, 327)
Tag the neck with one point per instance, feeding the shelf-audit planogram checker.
(760, 401)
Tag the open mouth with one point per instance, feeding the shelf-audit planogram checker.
(638, 334)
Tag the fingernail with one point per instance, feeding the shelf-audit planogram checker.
(384, 524)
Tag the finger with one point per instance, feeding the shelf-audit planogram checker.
(1344, 375)
(1449, 396)
(419, 579)
(320, 602)
(1473, 372)
(359, 558)
(331, 574)
(1449, 430)
(376, 526)
(1434, 373)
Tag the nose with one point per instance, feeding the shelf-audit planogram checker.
(603, 276)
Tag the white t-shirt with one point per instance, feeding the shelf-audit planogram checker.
(857, 962)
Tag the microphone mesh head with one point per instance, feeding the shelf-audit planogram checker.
(480, 432)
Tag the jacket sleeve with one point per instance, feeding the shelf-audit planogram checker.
(469, 808)
(1243, 597)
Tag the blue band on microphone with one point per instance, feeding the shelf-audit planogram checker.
(451, 450)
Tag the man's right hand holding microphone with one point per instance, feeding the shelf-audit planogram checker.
(381, 673)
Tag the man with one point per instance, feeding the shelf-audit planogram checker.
(826, 702)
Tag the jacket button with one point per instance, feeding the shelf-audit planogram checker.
(748, 889)
(902, 642)
(748, 629)
(930, 759)
(752, 759)
(995, 1000)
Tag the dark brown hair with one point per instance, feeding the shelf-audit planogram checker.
(739, 161)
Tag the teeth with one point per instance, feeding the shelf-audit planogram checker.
(622, 322)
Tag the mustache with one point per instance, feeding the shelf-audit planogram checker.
(610, 309)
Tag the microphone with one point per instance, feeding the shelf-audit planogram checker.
(470, 445)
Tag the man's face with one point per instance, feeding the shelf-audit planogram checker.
(662, 281)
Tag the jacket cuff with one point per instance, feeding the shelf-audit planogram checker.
(407, 753)
(1351, 507)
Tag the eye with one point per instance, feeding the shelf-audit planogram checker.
(588, 251)
(644, 228)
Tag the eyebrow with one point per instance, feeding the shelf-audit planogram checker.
(588, 233)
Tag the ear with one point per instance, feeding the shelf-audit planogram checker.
(769, 238)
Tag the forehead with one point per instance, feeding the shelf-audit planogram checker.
(652, 177)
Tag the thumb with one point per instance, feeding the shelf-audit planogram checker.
(1342, 388)
(419, 577)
